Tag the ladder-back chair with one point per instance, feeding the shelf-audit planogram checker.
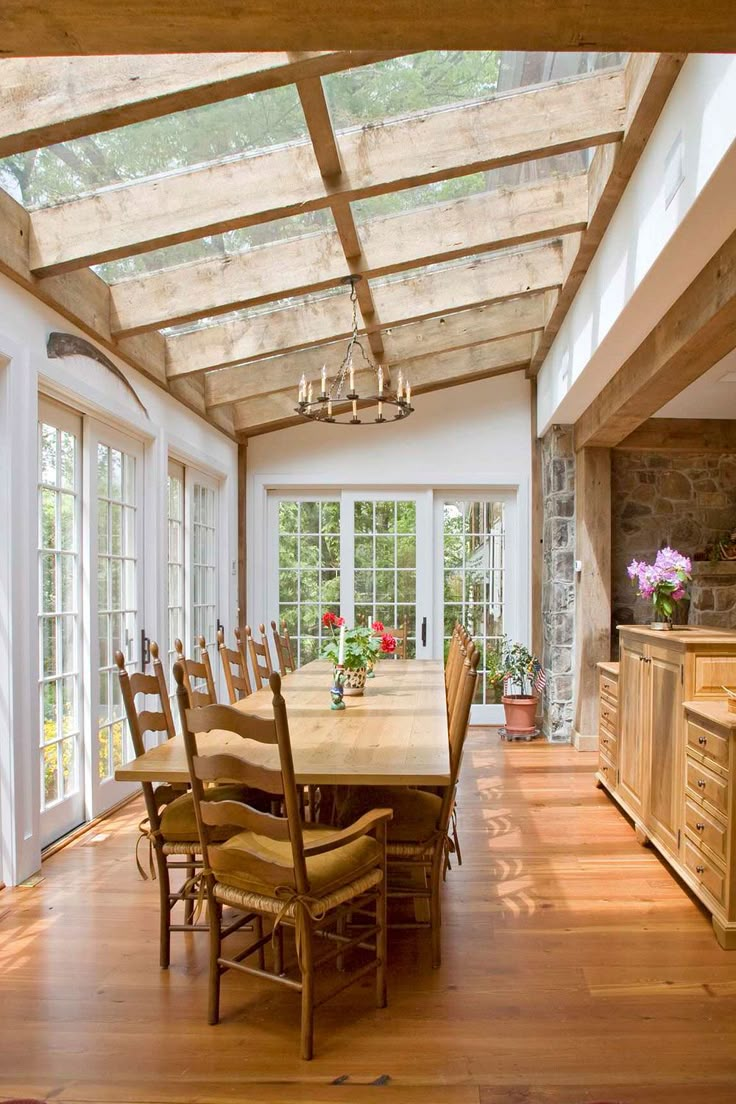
(284, 650)
(401, 636)
(234, 668)
(260, 656)
(419, 834)
(300, 876)
(197, 669)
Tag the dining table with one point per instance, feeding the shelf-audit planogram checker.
(394, 734)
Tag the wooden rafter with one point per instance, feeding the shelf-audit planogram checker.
(695, 333)
(50, 100)
(87, 27)
(460, 227)
(648, 79)
(401, 343)
(500, 276)
(448, 369)
(576, 114)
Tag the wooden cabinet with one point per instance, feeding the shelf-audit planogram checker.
(667, 745)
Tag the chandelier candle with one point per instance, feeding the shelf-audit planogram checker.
(338, 398)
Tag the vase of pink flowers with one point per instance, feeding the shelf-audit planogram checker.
(664, 583)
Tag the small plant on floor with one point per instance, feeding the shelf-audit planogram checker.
(523, 673)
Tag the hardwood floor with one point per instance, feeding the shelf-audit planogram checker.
(575, 969)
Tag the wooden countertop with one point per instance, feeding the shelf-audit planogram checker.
(717, 711)
(683, 634)
(609, 668)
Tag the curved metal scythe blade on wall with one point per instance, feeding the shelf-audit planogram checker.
(67, 345)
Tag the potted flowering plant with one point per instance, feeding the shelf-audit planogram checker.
(351, 649)
(523, 672)
(665, 582)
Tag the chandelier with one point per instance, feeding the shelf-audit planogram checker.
(337, 400)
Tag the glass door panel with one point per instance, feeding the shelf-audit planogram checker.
(202, 512)
(307, 556)
(385, 556)
(59, 570)
(175, 562)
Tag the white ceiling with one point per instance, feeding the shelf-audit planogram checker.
(711, 396)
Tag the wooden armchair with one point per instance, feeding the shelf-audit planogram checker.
(260, 656)
(284, 651)
(197, 669)
(302, 877)
(419, 834)
(234, 668)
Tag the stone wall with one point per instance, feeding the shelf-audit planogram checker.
(558, 580)
(686, 500)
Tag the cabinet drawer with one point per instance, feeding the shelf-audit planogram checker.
(608, 745)
(704, 785)
(708, 873)
(609, 687)
(608, 714)
(706, 828)
(607, 772)
(710, 744)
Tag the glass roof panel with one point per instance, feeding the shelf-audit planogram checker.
(245, 126)
(442, 78)
(478, 259)
(508, 176)
(217, 245)
(263, 308)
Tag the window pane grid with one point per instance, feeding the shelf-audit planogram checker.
(204, 565)
(474, 579)
(175, 574)
(309, 571)
(385, 562)
(58, 621)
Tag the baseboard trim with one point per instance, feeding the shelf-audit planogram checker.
(582, 742)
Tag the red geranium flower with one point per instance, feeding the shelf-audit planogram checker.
(340, 621)
(388, 643)
(329, 619)
(377, 626)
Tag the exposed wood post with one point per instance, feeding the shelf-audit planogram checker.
(593, 594)
(242, 547)
(536, 527)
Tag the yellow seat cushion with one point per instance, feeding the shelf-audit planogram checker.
(416, 812)
(326, 872)
(179, 824)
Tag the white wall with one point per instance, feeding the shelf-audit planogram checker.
(170, 428)
(650, 252)
(477, 435)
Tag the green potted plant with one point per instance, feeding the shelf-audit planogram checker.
(523, 673)
(354, 650)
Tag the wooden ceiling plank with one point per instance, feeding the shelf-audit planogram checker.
(166, 210)
(697, 331)
(452, 368)
(402, 343)
(505, 276)
(648, 80)
(681, 435)
(88, 27)
(51, 100)
(460, 227)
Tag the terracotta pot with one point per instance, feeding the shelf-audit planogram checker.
(520, 712)
(355, 682)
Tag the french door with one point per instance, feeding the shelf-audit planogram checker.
(114, 468)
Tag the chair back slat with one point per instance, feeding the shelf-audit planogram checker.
(284, 653)
(152, 722)
(197, 669)
(238, 815)
(260, 656)
(202, 768)
(143, 684)
(235, 668)
(231, 768)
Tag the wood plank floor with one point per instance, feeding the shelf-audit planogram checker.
(575, 970)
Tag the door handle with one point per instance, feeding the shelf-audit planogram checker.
(219, 627)
(424, 632)
(145, 650)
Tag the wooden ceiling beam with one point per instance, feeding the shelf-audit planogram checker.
(697, 331)
(575, 114)
(460, 366)
(648, 81)
(411, 342)
(460, 227)
(87, 27)
(49, 100)
(502, 276)
(680, 435)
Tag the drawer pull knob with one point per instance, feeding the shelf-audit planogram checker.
(702, 740)
(701, 783)
(700, 826)
(700, 870)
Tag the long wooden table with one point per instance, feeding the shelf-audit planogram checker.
(395, 735)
